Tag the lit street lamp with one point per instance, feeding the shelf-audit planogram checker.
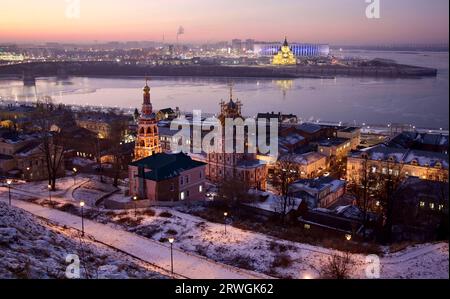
(74, 175)
(82, 218)
(225, 214)
(171, 240)
(348, 237)
(50, 193)
(135, 205)
(9, 182)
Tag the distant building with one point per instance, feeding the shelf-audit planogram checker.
(298, 49)
(147, 140)
(284, 56)
(167, 178)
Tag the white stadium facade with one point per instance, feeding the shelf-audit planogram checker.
(299, 49)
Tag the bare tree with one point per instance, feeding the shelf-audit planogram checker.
(115, 140)
(51, 123)
(285, 172)
(233, 191)
(338, 267)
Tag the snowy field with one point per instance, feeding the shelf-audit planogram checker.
(33, 248)
(255, 251)
(276, 257)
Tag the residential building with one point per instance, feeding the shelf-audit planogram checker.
(421, 210)
(318, 193)
(399, 162)
(336, 148)
(310, 165)
(167, 178)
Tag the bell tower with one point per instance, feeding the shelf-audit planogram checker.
(147, 140)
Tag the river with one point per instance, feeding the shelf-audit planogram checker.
(419, 102)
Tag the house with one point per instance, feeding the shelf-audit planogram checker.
(282, 118)
(167, 114)
(420, 141)
(320, 192)
(399, 162)
(167, 178)
(309, 165)
(421, 210)
(336, 148)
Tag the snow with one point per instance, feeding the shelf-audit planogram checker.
(32, 248)
(202, 248)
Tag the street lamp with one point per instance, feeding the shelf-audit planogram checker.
(135, 205)
(82, 218)
(74, 175)
(9, 182)
(50, 193)
(225, 214)
(171, 240)
(348, 237)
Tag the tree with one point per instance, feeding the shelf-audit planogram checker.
(51, 124)
(115, 140)
(233, 191)
(387, 183)
(338, 267)
(285, 172)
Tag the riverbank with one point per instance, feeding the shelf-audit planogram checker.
(112, 69)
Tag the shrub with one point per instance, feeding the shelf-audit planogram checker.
(165, 214)
(338, 267)
(172, 232)
(281, 261)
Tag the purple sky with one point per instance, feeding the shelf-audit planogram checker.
(327, 21)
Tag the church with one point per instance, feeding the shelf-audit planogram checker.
(244, 167)
(147, 139)
(285, 56)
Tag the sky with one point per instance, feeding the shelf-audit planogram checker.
(324, 21)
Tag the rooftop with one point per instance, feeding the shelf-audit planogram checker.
(164, 166)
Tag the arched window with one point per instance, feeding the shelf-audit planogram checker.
(142, 143)
(149, 130)
(141, 131)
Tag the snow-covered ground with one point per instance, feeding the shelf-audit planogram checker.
(266, 254)
(33, 248)
(276, 257)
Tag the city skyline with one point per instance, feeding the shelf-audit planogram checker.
(324, 21)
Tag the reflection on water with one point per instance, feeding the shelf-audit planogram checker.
(420, 102)
(284, 86)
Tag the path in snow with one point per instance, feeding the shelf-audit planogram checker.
(185, 264)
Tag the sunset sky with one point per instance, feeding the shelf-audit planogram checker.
(327, 21)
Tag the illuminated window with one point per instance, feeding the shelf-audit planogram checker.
(422, 204)
(200, 188)
(182, 195)
(432, 206)
(441, 207)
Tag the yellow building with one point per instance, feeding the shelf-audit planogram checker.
(285, 56)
